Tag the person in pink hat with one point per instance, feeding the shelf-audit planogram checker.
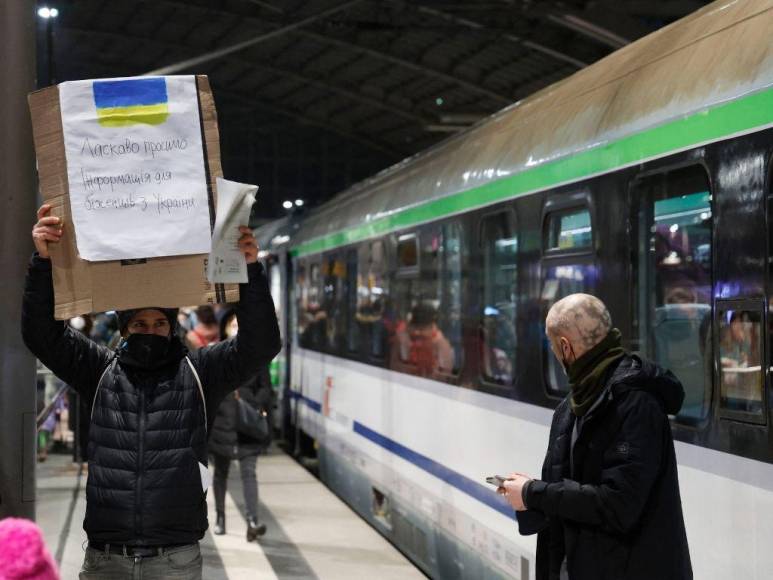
(23, 553)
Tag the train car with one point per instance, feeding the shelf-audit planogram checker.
(416, 359)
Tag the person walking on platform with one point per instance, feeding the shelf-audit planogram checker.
(227, 443)
(152, 404)
(608, 504)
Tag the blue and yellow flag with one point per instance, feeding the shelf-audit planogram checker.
(130, 102)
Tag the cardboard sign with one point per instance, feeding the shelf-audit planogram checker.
(135, 166)
(82, 287)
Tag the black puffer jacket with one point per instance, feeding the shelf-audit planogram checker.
(147, 434)
(224, 439)
(616, 514)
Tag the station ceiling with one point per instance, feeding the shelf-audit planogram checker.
(315, 95)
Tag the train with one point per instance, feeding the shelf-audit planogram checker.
(412, 305)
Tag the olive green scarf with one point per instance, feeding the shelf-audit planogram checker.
(587, 373)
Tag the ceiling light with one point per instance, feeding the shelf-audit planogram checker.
(46, 12)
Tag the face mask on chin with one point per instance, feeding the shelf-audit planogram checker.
(146, 350)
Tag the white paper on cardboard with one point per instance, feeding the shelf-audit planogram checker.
(135, 165)
(226, 263)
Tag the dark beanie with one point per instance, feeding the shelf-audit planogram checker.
(124, 316)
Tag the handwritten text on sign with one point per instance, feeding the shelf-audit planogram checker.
(135, 166)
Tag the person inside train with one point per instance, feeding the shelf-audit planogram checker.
(736, 343)
(152, 404)
(422, 348)
(607, 504)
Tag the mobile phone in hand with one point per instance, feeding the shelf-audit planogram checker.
(497, 480)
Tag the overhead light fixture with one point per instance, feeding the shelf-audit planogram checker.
(46, 12)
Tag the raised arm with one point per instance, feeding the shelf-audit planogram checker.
(71, 356)
(227, 365)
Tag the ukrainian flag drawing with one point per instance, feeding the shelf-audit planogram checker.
(131, 102)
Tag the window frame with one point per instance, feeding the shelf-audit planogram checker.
(511, 219)
(558, 208)
(351, 299)
(767, 359)
(636, 198)
(408, 271)
(742, 304)
(561, 203)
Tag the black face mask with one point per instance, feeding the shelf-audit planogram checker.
(145, 350)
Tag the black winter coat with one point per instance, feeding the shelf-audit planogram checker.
(147, 434)
(616, 514)
(224, 439)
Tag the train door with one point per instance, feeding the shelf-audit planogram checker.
(673, 276)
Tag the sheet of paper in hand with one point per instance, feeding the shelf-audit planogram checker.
(226, 263)
(135, 166)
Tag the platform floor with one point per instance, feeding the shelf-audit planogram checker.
(311, 532)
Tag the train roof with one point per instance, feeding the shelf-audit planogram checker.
(703, 78)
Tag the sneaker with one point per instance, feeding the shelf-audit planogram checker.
(220, 524)
(254, 530)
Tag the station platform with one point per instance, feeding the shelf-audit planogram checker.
(311, 532)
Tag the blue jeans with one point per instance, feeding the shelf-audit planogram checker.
(180, 563)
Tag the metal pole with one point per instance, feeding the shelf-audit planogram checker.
(50, 51)
(17, 187)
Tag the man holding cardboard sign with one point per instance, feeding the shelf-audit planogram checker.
(153, 404)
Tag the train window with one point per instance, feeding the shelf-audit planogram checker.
(311, 315)
(372, 299)
(352, 339)
(449, 245)
(337, 292)
(300, 295)
(674, 292)
(740, 355)
(407, 253)
(329, 318)
(770, 271)
(500, 272)
(428, 306)
(569, 230)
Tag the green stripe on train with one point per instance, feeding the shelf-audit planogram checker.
(713, 124)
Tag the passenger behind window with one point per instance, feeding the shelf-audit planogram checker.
(739, 349)
(314, 324)
(682, 341)
(421, 348)
(736, 342)
(498, 341)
